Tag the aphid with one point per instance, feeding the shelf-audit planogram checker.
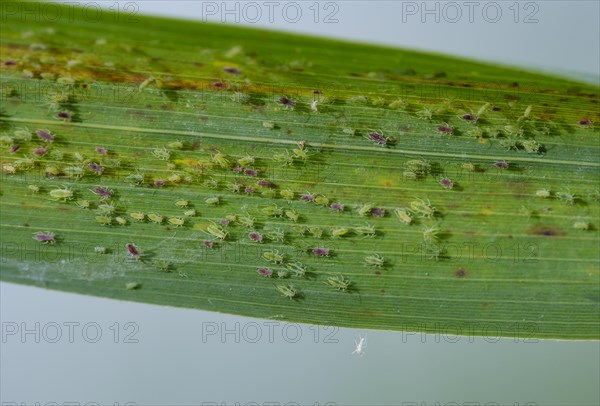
(209, 244)
(33, 188)
(283, 158)
(73, 172)
(367, 231)
(212, 201)
(378, 212)
(374, 260)
(146, 82)
(155, 218)
(467, 166)
(246, 161)
(581, 225)
(162, 265)
(337, 207)
(268, 124)
(445, 129)
(360, 346)
(365, 209)
(190, 213)
(96, 168)
(211, 183)
(221, 160)
(46, 237)
(501, 164)
(63, 194)
(100, 250)
(64, 115)
(246, 220)
(266, 272)
(182, 203)
(6, 140)
(176, 221)
(299, 230)
(566, 197)
(475, 132)
(265, 183)
(275, 235)
(531, 146)
(424, 114)
(175, 178)
(403, 214)
(301, 152)
(297, 268)
(292, 215)
(224, 222)
(287, 194)
(161, 153)
(22, 134)
(321, 200)
(288, 103)
(307, 197)
(288, 291)
(273, 256)
(40, 151)
(321, 252)
(217, 231)
(105, 209)
(250, 172)
(234, 187)
(101, 150)
(378, 138)
(339, 232)
(349, 131)
(543, 193)
(104, 220)
(511, 144)
(132, 285)
(526, 114)
(430, 234)
(159, 182)
(446, 183)
(15, 148)
(397, 104)
(83, 204)
(45, 135)
(137, 215)
(121, 220)
(133, 250)
(272, 211)
(9, 169)
(175, 145)
(316, 232)
(314, 105)
(469, 117)
(422, 208)
(255, 237)
(231, 217)
(585, 123)
(338, 282)
(282, 273)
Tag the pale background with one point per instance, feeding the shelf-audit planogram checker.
(171, 364)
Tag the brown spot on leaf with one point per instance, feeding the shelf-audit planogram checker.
(461, 272)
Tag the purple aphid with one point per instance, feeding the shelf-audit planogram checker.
(469, 117)
(378, 212)
(266, 272)
(45, 135)
(133, 250)
(103, 192)
(40, 151)
(237, 169)
(14, 148)
(250, 172)
(265, 183)
(101, 150)
(445, 129)
(337, 206)
(159, 182)
(44, 237)
(321, 252)
(224, 222)
(219, 85)
(10, 63)
(378, 138)
(501, 164)
(446, 183)
(249, 190)
(256, 237)
(317, 92)
(97, 168)
(585, 123)
(64, 115)
(232, 70)
(307, 197)
(208, 244)
(286, 102)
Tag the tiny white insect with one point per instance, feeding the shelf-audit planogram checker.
(361, 344)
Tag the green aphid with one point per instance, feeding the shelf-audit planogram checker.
(182, 203)
(282, 273)
(338, 282)
(273, 256)
(272, 211)
(339, 232)
(316, 232)
(83, 204)
(430, 234)
(132, 285)
(25, 163)
(73, 172)
(544, 193)
(292, 215)
(297, 269)
(321, 200)
(176, 221)
(104, 220)
(217, 231)
(63, 194)
(287, 194)
(155, 218)
(581, 225)
(531, 146)
(234, 187)
(51, 171)
(190, 213)
(275, 235)
(221, 160)
(268, 193)
(100, 250)
(162, 265)
(566, 197)
(403, 214)
(211, 183)
(374, 260)
(367, 230)
(423, 208)
(284, 159)
(105, 209)
(121, 220)
(287, 290)
(135, 179)
(175, 145)
(213, 201)
(161, 153)
(246, 161)
(365, 209)
(137, 215)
